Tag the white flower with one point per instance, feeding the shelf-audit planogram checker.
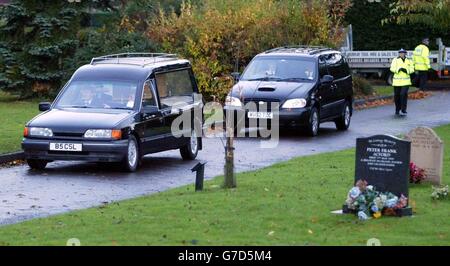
(390, 203)
(362, 216)
(379, 202)
(354, 192)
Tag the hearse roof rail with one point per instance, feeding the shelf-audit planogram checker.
(138, 59)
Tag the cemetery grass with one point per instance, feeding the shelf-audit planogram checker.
(389, 90)
(286, 204)
(14, 115)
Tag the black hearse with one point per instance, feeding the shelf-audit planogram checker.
(117, 109)
(310, 85)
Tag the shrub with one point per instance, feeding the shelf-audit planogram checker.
(361, 86)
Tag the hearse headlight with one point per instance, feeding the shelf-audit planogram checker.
(38, 132)
(233, 101)
(295, 103)
(103, 134)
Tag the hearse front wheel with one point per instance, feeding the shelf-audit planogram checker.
(190, 150)
(131, 161)
(37, 164)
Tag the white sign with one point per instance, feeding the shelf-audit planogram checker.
(66, 147)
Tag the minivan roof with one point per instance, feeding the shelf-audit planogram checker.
(301, 50)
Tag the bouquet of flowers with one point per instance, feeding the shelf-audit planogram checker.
(367, 202)
(416, 174)
(440, 192)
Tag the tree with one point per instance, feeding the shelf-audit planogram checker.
(432, 13)
(219, 33)
(43, 42)
(373, 31)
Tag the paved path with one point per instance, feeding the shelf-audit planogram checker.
(64, 186)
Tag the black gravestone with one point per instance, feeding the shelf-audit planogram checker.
(383, 161)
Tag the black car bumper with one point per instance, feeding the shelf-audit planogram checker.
(92, 151)
(286, 117)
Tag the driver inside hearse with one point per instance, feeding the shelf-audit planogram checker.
(92, 96)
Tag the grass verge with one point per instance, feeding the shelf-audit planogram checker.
(388, 90)
(286, 204)
(14, 115)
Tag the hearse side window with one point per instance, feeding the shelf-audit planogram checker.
(148, 98)
(174, 88)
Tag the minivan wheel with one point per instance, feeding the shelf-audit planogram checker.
(37, 164)
(343, 122)
(312, 128)
(190, 150)
(131, 161)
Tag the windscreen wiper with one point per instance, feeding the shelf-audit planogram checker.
(295, 79)
(77, 106)
(121, 108)
(264, 79)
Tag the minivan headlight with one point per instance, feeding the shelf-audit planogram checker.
(103, 134)
(295, 103)
(39, 132)
(233, 101)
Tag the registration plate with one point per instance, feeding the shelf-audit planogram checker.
(260, 115)
(66, 147)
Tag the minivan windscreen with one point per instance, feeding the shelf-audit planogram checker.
(99, 95)
(280, 69)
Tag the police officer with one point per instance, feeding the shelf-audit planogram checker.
(421, 59)
(402, 68)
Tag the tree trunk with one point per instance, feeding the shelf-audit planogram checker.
(230, 178)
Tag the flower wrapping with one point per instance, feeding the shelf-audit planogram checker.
(367, 202)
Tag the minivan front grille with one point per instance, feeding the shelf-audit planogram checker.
(262, 104)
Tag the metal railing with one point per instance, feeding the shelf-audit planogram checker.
(139, 59)
(301, 48)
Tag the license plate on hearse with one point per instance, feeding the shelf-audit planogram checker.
(66, 147)
(260, 115)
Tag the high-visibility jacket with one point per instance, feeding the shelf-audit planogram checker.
(401, 78)
(421, 58)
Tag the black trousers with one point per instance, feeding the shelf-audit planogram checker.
(421, 80)
(401, 98)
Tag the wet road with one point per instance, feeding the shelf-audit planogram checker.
(65, 186)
